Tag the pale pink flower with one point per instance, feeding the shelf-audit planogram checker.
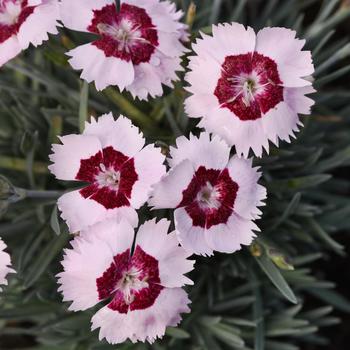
(112, 158)
(5, 263)
(24, 22)
(249, 88)
(215, 198)
(137, 49)
(143, 286)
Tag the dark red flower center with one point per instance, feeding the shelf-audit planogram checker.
(132, 282)
(128, 34)
(209, 198)
(249, 85)
(13, 13)
(111, 176)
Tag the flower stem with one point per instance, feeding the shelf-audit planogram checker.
(128, 108)
(41, 194)
(83, 107)
(19, 164)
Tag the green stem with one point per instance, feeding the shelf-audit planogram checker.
(41, 194)
(84, 106)
(19, 164)
(128, 108)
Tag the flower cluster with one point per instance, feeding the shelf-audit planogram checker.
(246, 88)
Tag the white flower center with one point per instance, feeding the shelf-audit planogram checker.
(124, 33)
(247, 87)
(10, 11)
(129, 283)
(208, 197)
(108, 177)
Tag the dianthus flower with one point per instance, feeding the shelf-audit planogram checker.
(138, 47)
(24, 22)
(249, 88)
(111, 157)
(215, 197)
(142, 286)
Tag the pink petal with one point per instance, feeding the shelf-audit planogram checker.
(104, 71)
(42, 21)
(103, 242)
(203, 151)
(280, 122)
(281, 45)
(121, 134)
(228, 238)
(78, 14)
(5, 263)
(9, 49)
(192, 238)
(250, 194)
(168, 192)
(150, 168)
(67, 157)
(297, 101)
(154, 239)
(227, 40)
(142, 325)
(80, 213)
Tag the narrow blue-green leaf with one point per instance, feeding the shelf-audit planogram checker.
(276, 278)
(84, 104)
(54, 222)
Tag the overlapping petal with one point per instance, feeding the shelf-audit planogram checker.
(249, 88)
(110, 156)
(108, 242)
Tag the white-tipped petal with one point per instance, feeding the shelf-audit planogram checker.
(154, 239)
(250, 194)
(168, 192)
(211, 153)
(80, 212)
(39, 24)
(293, 63)
(78, 14)
(121, 134)
(104, 71)
(9, 49)
(90, 257)
(150, 168)
(5, 263)
(143, 325)
(67, 157)
(192, 238)
(228, 237)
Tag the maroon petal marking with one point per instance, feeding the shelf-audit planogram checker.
(113, 158)
(6, 31)
(226, 193)
(139, 50)
(227, 92)
(108, 196)
(146, 266)
(107, 282)
(128, 177)
(89, 168)
(150, 272)
(268, 72)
